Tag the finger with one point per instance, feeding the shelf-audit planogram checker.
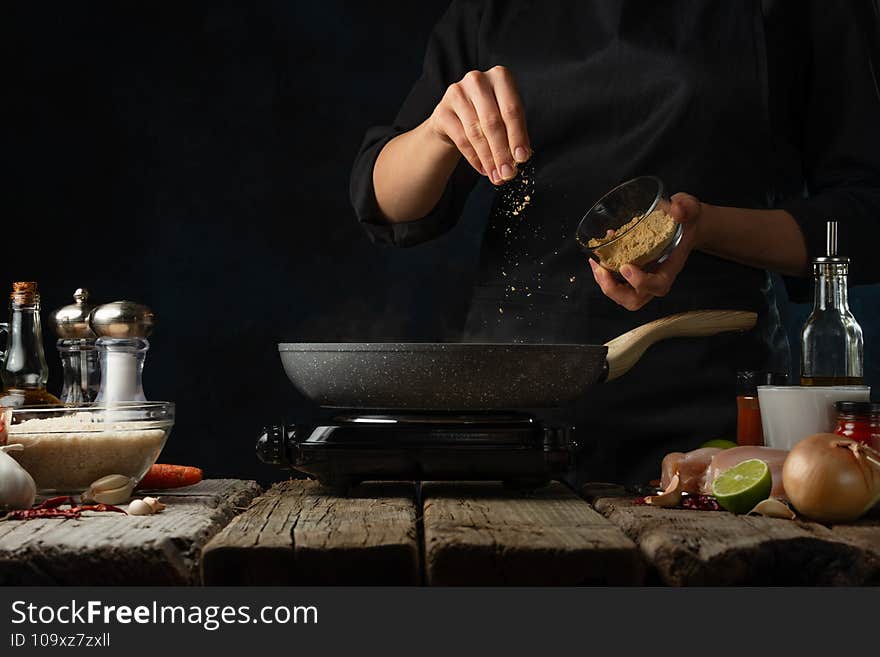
(451, 125)
(467, 115)
(617, 292)
(482, 95)
(655, 284)
(511, 107)
(684, 207)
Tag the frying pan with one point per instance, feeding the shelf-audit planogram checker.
(471, 377)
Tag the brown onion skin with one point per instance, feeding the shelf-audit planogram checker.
(825, 481)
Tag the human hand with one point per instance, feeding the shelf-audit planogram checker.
(641, 286)
(482, 116)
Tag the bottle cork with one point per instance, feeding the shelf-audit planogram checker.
(24, 293)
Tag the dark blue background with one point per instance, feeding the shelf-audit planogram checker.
(195, 156)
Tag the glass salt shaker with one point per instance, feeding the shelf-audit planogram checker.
(122, 327)
(76, 347)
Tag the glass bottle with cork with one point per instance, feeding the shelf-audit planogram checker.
(24, 369)
(831, 340)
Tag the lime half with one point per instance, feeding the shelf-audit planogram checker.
(720, 443)
(739, 489)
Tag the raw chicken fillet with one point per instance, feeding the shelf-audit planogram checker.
(699, 468)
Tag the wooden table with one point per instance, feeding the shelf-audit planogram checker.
(299, 533)
(110, 548)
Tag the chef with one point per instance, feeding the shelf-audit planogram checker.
(762, 117)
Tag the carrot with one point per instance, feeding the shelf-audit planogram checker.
(162, 475)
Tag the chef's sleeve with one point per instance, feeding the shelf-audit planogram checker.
(451, 52)
(841, 138)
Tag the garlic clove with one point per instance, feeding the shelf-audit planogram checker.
(112, 489)
(110, 482)
(155, 504)
(773, 508)
(139, 508)
(669, 498)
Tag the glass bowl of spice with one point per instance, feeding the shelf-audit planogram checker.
(66, 448)
(631, 224)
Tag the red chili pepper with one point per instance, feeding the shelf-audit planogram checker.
(55, 502)
(99, 507)
(50, 509)
(28, 514)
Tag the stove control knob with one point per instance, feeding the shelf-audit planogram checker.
(272, 445)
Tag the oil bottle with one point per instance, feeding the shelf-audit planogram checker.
(24, 369)
(831, 340)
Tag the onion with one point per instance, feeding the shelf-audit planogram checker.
(832, 479)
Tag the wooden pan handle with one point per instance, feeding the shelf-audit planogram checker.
(625, 350)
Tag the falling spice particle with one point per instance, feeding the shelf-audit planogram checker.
(516, 195)
(500, 310)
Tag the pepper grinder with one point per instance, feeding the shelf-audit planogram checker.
(123, 328)
(76, 346)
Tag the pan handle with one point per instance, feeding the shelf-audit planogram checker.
(624, 351)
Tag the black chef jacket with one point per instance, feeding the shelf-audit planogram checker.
(746, 104)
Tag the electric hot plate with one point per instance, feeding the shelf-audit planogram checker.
(515, 448)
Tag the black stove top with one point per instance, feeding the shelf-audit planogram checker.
(349, 448)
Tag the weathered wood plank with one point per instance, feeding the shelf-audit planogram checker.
(707, 548)
(865, 533)
(301, 533)
(114, 549)
(484, 534)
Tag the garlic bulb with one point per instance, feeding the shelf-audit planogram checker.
(17, 487)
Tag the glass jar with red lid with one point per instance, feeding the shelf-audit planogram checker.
(859, 421)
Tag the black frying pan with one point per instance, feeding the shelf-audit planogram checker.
(470, 377)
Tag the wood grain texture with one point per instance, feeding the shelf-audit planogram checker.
(624, 351)
(483, 534)
(115, 549)
(704, 548)
(301, 533)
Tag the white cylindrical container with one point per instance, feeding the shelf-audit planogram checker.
(122, 364)
(791, 413)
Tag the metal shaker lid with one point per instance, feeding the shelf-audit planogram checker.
(71, 322)
(122, 319)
